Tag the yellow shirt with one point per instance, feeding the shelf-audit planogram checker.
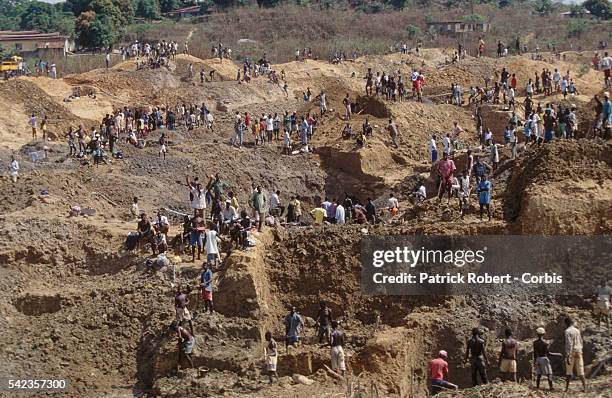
(235, 203)
(318, 214)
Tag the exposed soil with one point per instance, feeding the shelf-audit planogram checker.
(75, 305)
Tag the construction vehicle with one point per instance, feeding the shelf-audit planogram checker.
(10, 64)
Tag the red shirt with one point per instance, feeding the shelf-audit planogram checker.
(446, 168)
(513, 83)
(437, 369)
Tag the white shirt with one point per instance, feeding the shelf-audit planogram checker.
(199, 199)
(421, 191)
(269, 124)
(274, 201)
(211, 242)
(229, 214)
(446, 144)
(432, 145)
(340, 215)
(161, 220)
(392, 203)
(14, 168)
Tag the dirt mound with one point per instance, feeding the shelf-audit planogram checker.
(23, 98)
(563, 188)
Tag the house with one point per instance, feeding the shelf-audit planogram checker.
(585, 14)
(31, 42)
(454, 28)
(186, 12)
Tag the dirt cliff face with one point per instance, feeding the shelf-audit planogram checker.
(74, 304)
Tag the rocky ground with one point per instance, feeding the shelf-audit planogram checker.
(75, 305)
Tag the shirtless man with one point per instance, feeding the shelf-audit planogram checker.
(507, 357)
(324, 319)
(476, 351)
(446, 168)
(336, 342)
(180, 305)
(185, 345)
(369, 78)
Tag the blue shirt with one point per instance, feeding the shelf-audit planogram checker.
(293, 323)
(484, 191)
(206, 278)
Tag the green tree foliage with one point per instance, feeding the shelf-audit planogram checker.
(268, 3)
(169, 5)
(148, 9)
(474, 18)
(413, 31)
(94, 31)
(577, 27)
(599, 8)
(544, 6)
(46, 17)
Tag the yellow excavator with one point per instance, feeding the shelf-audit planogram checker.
(10, 63)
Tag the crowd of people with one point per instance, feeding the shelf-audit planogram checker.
(219, 223)
(476, 356)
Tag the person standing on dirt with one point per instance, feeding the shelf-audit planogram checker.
(13, 169)
(336, 341)
(370, 209)
(195, 236)
(540, 358)
(573, 354)
(507, 357)
(438, 373)
(181, 300)
(276, 208)
(602, 305)
(476, 351)
(293, 326)
(197, 197)
(271, 355)
(347, 107)
(107, 59)
(481, 47)
(162, 145)
(484, 195)
(211, 240)
(392, 129)
(606, 66)
(446, 169)
(206, 285)
(33, 125)
(186, 341)
(259, 202)
(324, 320)
(369, 78)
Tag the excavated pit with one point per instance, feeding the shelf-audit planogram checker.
(38, 303)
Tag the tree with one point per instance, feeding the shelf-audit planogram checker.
(94, 31)
(46, 17)
(474, 18)
(268, 3)
(413, 31)
(169, 5)
(544, 6)
(577, 27)
(599, 8)
(148, 9)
